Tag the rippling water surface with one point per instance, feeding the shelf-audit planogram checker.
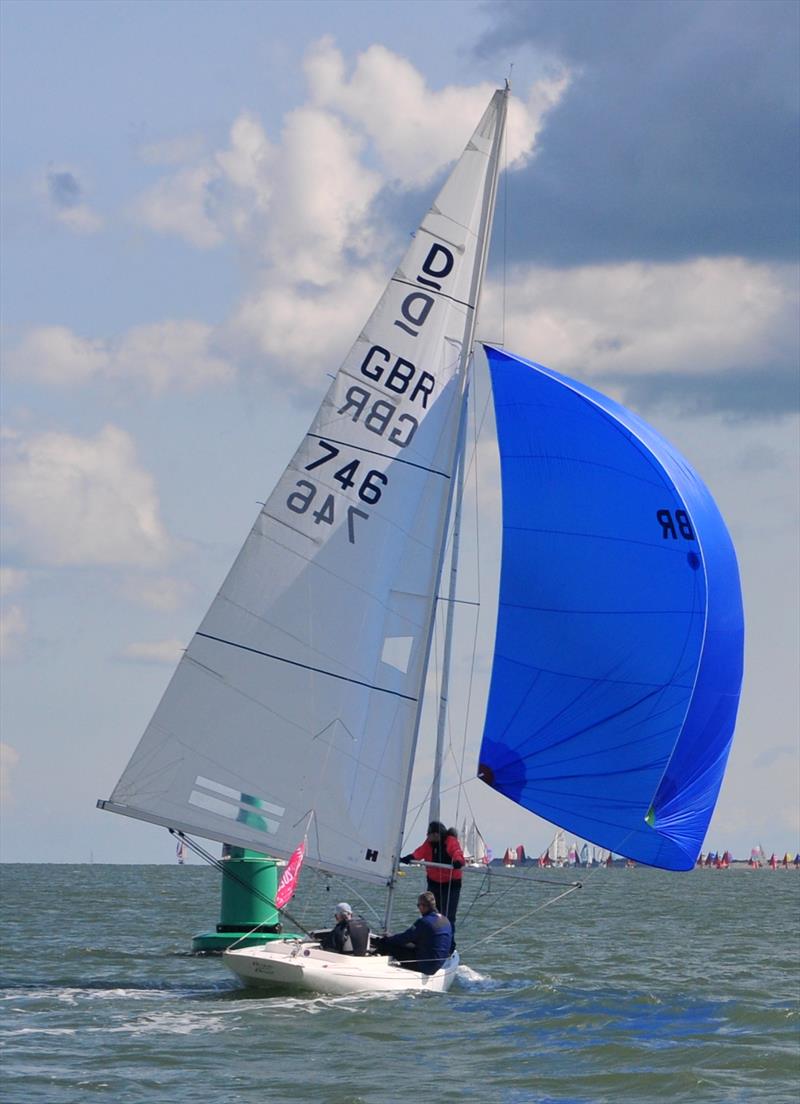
(643, 986)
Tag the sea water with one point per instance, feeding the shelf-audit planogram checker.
(641, 986)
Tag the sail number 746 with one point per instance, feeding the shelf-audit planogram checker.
(370, 489)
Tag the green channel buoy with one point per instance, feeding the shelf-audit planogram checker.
(246, 904)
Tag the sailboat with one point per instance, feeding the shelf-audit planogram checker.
(556, 853)
(617, 658)
(475, 849)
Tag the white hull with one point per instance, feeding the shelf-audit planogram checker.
(306, 966)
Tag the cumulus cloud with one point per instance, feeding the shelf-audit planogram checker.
(314, 182)
(303, 331)
(13, 627)
(13, 623)
(297, 207)
(166, 652)
(171, 354)
(669, 322)
(9, 758)
(312, 215)
(216, 196)
(12, 579)
(82, 500)
(305, 206)
(183, 204)
(163, 593)
(56, 355)
(65, 194)
(174, 354)
(417, 131)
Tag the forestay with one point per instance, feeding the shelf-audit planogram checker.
(618, 658)
(299, 692)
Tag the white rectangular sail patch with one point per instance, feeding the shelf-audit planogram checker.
(230, 803)
(397, 652)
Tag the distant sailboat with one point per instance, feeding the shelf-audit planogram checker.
(556, 853)
(618, 649)
(475, 849)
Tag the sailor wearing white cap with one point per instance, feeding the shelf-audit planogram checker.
(350, 935)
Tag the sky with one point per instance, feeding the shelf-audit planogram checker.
(201, 203)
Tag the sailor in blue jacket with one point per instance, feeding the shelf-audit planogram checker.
(425, 946)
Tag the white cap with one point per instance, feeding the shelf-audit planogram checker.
(343, 909)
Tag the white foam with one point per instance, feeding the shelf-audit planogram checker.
(168, 1023)
(40, 1031)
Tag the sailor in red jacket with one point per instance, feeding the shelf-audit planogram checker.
(441, 846)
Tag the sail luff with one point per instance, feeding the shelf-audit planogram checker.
(434, 809)
(434, 812)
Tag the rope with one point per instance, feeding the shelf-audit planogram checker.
(511, 923)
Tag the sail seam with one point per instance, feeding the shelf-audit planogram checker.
(591, 679)
(383, 455)
(306, 666)
(432, 291)
(593, 536)
(455, 245)
(595, 610)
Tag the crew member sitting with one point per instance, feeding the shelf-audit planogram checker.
(350, 934)
(425, 946)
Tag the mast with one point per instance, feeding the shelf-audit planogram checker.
(484, 236)
(434, 809)
(434, 812)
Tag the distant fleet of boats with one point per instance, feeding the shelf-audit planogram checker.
(559, 854)
(758, 860)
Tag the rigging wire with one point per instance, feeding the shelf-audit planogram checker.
(505, 236)
(473, 465)
(512, 923)
(226, 872)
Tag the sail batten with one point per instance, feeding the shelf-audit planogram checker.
(619, 639)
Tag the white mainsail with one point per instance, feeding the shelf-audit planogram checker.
(300, 691)
(557, 851)
(475, 845)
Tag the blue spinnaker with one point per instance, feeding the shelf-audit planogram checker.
(618, 654)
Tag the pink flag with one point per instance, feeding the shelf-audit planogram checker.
(289, 877)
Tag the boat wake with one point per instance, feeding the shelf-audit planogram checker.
(314, 1003)
(477, 982)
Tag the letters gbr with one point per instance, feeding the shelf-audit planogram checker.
(393, 421)
(396, 373)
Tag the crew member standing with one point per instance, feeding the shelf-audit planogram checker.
(444, 882)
